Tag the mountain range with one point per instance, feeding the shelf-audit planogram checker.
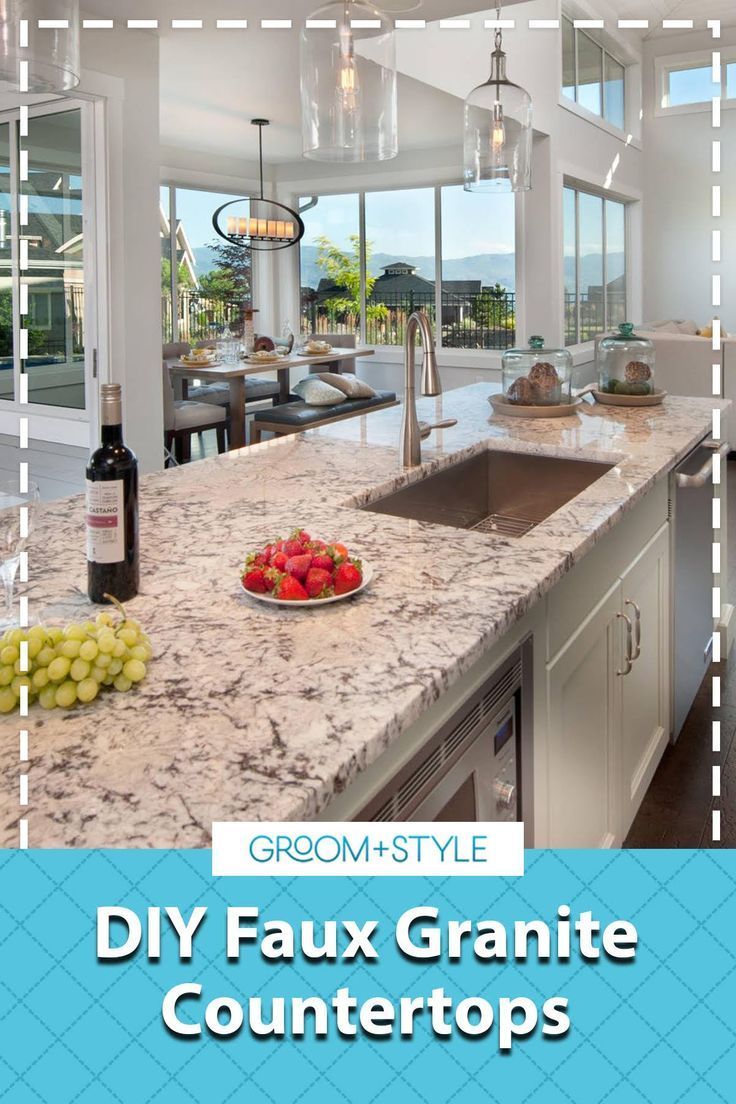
(489, 268)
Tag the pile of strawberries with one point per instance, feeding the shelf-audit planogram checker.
(300, 568)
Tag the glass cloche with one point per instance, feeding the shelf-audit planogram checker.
(625, 363)
(537, 376)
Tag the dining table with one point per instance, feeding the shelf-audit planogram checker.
(234, 374)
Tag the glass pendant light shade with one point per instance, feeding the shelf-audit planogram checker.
(348, 84)
(498, 133)
(52, 53)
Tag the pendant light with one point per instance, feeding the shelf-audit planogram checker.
(348, 84)
(51, 54)
(259, 223)
(498, 131)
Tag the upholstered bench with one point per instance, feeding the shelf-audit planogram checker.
(294, 417)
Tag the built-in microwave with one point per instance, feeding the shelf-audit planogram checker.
(478, 766)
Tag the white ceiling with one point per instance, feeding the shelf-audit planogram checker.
(213, 82)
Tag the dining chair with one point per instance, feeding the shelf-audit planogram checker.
(341, 340)
(183, 417)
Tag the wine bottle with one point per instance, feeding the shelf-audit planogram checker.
(112, 507)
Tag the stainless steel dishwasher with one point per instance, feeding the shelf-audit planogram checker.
(692, 574)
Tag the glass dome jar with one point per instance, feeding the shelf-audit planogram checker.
(537, 376)
(625, 363)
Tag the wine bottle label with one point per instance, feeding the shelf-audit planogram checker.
(105, 522)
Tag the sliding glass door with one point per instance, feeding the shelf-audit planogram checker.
(55, 273)
(46, 286)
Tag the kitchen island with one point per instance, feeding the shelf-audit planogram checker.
(252, 712)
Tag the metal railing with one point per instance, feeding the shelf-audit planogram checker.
(587, 315)
(199, 316)
(472, 320)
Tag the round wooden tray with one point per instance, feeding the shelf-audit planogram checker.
(629, 400)
(502, 405)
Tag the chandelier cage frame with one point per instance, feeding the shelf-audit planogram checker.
(268, 224)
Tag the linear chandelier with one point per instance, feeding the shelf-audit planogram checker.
(261, 223)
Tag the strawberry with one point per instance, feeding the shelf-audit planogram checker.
(256, 559)
(271, 577)
(338, 552)
(317, 545)
(293, 547)
(298, 566)
(302, 535)
(318, 581)
(255, 580)
(279, 561)
(348, 576)
(324, 562)
(290, 589)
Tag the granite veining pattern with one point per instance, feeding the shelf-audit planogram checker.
(253, 712)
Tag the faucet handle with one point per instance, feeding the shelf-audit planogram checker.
(425, 428)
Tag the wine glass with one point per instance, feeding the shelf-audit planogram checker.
(18, 510)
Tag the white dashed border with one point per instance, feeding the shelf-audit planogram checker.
(400, 24)
(715, 28)
(23, 430)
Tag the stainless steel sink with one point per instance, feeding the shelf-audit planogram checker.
(506, 493)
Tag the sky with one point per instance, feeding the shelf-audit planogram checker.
(402, 222)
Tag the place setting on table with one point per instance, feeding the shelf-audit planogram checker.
(224, 360)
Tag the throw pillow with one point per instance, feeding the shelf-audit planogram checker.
(315, 392)
(348, 384)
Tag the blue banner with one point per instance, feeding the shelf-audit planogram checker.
(656, 1026)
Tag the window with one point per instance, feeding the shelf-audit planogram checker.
(591, 76)
(329, 255)
(391, 267)
(687, 86)
(55, 364)
(400, 261)
(594, 235)
(685, 82)
(208, 286)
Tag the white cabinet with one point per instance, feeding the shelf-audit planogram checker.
(608, 706)
(645, 689)
(583, 719)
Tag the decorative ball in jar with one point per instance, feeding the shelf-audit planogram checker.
(537, 376)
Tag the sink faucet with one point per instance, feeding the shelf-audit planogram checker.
(411, 433)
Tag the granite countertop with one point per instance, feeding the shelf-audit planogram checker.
(254, 712)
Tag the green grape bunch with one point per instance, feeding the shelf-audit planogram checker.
(69, 666)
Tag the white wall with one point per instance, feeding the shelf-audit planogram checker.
(678, 181)
(131, 252)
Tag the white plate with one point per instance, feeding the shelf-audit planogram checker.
(271, 359)
(367, 576)
(200, 363)
(317, 352)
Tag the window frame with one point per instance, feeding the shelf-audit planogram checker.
(605, 52)
(172, 184)
(680, 63)
(436, 187)
(577, 188)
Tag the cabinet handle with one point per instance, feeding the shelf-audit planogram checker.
(637, 627)
(629, 641)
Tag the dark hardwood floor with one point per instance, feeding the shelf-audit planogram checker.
(677, 810)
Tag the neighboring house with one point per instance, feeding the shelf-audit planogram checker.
(184, 251)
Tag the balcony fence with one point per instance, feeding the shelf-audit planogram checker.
(469, 320)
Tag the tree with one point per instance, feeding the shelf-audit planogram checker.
(343, 269)
(231, 278)
(492, 308)
(183, 276)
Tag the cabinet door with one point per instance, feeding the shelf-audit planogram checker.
(584, 716)
(645, 690)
